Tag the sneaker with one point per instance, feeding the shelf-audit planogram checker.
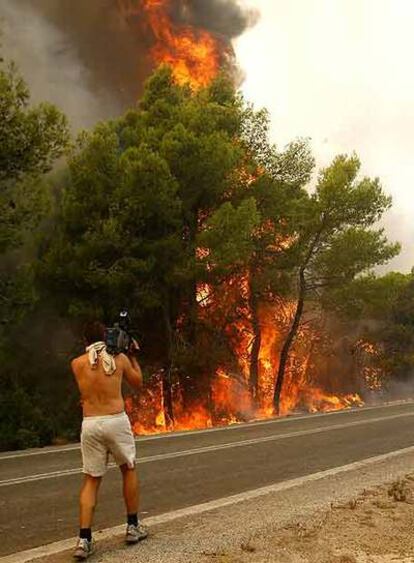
(134, 534)
(84, 549)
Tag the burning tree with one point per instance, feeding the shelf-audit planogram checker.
(335, 241)
(184, 210)
(139, 193)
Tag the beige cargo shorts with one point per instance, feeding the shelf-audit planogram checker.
(105, 435)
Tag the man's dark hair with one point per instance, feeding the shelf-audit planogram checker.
(94, 331)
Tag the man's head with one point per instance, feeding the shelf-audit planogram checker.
(93, 331)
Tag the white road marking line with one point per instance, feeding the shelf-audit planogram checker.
(109, 533)
(208, 449)
(168, 435)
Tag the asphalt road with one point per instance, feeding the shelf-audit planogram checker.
(39, 489)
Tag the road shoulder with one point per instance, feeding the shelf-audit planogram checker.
(280, 525)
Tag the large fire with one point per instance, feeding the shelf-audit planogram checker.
(230, 400)
(195, 56)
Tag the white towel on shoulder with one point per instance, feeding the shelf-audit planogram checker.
(98, 350)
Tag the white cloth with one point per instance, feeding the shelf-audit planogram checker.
(98, 350)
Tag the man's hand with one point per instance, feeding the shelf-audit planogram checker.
(133, 347)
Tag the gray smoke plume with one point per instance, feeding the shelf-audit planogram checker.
(85, 57)
(80, 55)
(226, 18)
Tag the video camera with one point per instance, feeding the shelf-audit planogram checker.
(118, 339)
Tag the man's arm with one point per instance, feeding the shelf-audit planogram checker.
(74, 364)
(132, 371)
(75, 370)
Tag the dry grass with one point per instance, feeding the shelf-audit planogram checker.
(377, 527)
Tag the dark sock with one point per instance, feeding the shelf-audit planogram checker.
(85, 534)
(133, 519)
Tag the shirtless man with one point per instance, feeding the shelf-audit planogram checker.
(105, 429)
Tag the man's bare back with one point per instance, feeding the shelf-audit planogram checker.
(101, 394)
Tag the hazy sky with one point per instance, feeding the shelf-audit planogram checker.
(341, 72)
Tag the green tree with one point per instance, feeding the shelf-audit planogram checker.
(396, 337)
(31, 139)
(141, 191)
(336, 240)
(386, 304)
(248, 242)
(278, 187)
(369, 297)
(276, 181)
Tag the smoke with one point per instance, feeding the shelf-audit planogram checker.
(79, 55)
(227, 18)
(85, 57)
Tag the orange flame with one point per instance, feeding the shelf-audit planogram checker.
(373, 375)
(230, 400)
(195, 55)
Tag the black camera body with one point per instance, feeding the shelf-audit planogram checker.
(118, 339)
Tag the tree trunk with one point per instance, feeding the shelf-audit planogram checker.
(192, 287)
(192, 313)
(257, 341)
(167, 373)
(284, 355)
